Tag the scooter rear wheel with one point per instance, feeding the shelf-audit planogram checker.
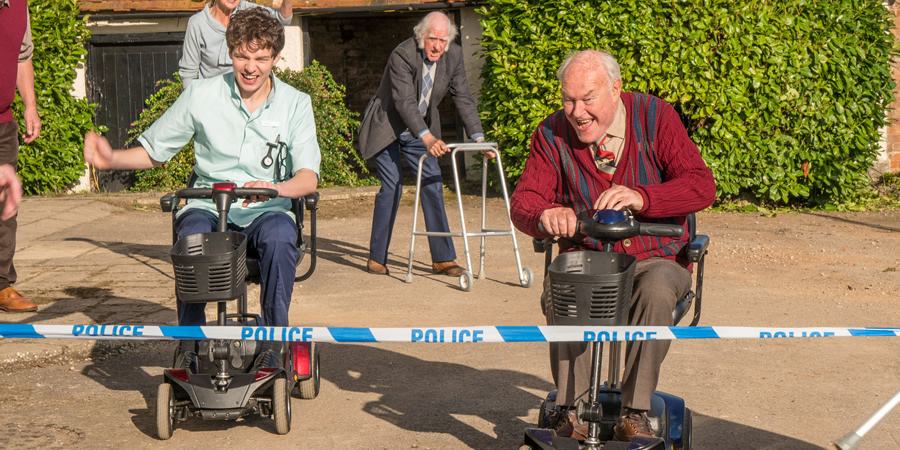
(281, 406)
(165, 411)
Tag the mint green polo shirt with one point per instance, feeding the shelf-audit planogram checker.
(230, 143)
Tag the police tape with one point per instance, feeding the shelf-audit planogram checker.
(429, 335)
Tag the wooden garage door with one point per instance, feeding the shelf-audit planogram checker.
(122, 71)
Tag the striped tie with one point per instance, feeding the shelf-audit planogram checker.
(604, 159)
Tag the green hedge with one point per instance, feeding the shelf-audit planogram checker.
(334, 126)
(54, 161)
(765, 88)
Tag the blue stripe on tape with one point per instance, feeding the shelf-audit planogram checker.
(19, 331)
(521, 334)
(872, 332)
(182, 332)
(694, 333)
(351, 334)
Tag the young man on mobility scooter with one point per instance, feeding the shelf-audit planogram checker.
(608, 149)
(236, 120)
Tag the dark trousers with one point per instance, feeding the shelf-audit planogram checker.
(387, 201)
(272, 238)
(658, 284)
(9, 154)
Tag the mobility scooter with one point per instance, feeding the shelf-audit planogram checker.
(593, 288)
(230, 379)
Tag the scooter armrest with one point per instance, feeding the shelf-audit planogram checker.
(167, 202)
(697, 248)
(312, 201)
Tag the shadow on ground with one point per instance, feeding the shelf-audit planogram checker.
(132, 250)
(478, 407)
(713, 433)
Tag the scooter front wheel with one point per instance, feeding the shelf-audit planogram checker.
(281, 406)
(165, 411)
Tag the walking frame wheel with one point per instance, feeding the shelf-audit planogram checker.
(526, 277)
(466, 280)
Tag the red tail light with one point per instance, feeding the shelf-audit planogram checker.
(181, 374)
(302, 355)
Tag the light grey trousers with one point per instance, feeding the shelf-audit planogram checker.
(658, 284)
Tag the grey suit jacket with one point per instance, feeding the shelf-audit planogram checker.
(394, 107)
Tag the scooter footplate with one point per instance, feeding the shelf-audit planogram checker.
(546, 439)
(221, 414)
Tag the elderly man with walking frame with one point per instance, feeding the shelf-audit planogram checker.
(402, 121)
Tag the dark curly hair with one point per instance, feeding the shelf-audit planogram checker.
(255, 28)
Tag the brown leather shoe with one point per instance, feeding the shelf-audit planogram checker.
(449, 268)
(12, 301)
(567, 426)
(632, 423)
(377, 269)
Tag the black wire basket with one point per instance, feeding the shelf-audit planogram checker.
(590, 288)
(210, 267)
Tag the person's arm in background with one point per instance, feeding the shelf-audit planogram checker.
(189, 64)
(25, 85)
(287, 10)
(464, 101)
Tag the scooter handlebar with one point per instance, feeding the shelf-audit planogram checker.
(239, 192)
(622, 229)
(660, 229)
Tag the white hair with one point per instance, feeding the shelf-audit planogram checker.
(424, 26)
(594, 59)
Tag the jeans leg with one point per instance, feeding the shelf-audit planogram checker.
(432, 195)
(387, 163)
(193, 221)
(272, 237)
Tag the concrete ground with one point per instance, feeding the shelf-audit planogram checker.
(103, 259)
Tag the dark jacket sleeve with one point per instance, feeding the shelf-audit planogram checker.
(461, 94)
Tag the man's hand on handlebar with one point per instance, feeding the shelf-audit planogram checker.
(257, 198)
(618, 198)
(559, 221)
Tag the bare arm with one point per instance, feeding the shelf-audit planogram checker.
(100, 154)
(287, 9)
(25, 85)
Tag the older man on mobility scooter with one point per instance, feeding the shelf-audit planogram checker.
(609, 149)
(235, 119)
